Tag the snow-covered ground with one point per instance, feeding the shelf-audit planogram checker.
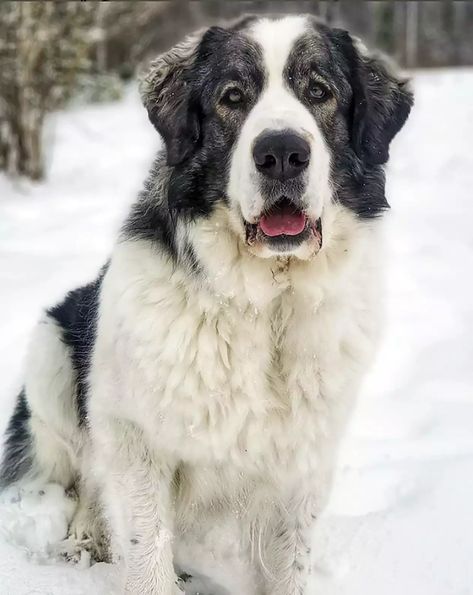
(400, 519)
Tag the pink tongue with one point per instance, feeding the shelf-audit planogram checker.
(281, 223)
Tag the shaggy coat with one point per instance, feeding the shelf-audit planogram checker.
(195, 393)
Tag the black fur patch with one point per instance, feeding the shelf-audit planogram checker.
(369, 107)
(17, 454)
(223, 58)
(150, 217)
(197, 180)
(77, 318)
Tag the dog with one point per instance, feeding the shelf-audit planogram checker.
(206, 376)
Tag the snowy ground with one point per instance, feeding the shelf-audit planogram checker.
(400, 518)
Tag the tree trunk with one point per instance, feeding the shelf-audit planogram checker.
(412, 26)
(43, 45)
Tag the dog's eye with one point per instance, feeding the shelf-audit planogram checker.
(317, 92)
(233, 97)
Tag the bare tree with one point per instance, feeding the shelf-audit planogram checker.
(416, 33)
(43, 45)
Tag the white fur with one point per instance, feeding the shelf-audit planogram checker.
(278, 109)
(50, 386)
(240, 384)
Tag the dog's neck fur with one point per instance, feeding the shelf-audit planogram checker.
(232, 272)
(212, 256)
(282, 337)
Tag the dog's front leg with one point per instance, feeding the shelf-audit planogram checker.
(138, 498)
(285, 554)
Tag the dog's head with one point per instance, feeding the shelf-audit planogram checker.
(277, 119)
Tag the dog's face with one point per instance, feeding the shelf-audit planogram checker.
(277, 119)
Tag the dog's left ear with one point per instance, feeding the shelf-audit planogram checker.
(382, 101)
(165, 94)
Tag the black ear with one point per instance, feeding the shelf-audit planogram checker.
(382, 101)
(165, 94)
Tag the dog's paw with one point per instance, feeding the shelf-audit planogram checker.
(73, 551)
(195, 585)
(87, 533)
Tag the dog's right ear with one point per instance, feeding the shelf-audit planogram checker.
(165, 94)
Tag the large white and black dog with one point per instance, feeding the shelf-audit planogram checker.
(204, 379)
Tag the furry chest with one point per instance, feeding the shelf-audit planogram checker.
(227, 387)
(213, 381)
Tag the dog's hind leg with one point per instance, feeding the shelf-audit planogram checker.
(43, 439)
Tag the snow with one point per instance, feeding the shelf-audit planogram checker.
(399, 520)
(31, 517)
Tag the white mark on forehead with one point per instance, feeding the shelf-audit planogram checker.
(278, 108)
(277, 39)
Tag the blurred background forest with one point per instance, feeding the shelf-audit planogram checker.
(55, 52)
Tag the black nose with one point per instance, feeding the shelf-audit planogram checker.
(281, 155)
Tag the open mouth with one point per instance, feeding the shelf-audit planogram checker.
(284, 226)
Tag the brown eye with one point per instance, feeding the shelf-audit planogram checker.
(317, 92)
(233, 97)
